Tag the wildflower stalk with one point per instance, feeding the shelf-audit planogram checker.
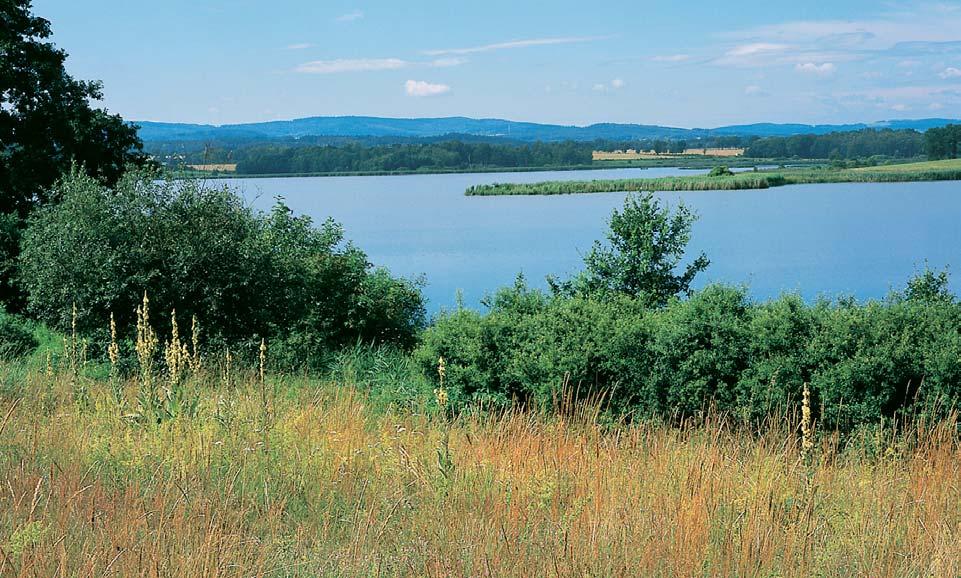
(113, 352)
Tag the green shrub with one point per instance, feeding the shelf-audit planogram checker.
(864, 362)
(16, 336)
(700, 348)
(721, 171)
(201, 251)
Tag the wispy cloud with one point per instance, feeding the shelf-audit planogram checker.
(421, 88)
(515, 44)
(350, 16)
(823, 69)
(923, 28)
(754, 90)
(950, 72)
(752, 54)
(671, 58)
(757, 48)
(351, 65)
(448, 62)
(300, 46)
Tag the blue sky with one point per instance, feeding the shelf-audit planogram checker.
(690, 64)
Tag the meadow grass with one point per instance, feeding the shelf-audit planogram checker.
(764, 179)
(296, 476)
(943, 165)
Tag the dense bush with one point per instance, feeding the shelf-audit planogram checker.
(202, 252)
(863, 361)
(16, 336)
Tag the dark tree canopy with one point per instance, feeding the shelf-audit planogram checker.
(840, 145)
(46, 118)
(943, 143)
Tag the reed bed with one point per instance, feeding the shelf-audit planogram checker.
(289, 476)
(741, 181)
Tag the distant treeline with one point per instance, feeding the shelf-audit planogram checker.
(841, 145)
(459, 152)
(943, 143)
(467, 152)
(410, 157)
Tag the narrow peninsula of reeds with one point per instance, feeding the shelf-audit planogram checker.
(760, 179)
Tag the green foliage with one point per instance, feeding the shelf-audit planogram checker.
(864, 362)
(901, 144)
(646, 243)
(16, 336)
(202, 252)
(47, 123)
(943, 143)
(356, 158)
(721, 171)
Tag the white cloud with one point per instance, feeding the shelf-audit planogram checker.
(300, 46)
(753, 54)
(423, 88)
(756, 48)
(515, 44)
(350, 16)
(754, 90)
(351, 65)
(448, 62)
(935, 106)
(950, 72)
(899, 107)
(616, 84)
(824, 69)
(671, 58)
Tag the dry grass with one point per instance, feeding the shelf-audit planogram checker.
(323, 485)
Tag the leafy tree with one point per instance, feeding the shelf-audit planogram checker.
(202, 252)
(646, 244)
(46, 124)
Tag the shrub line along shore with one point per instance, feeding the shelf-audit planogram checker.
(913, 172)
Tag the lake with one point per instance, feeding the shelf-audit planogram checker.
(834, 239)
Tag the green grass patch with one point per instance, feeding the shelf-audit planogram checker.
(945, 165)
(910, 172)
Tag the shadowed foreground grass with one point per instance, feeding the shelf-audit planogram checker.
(305, 478)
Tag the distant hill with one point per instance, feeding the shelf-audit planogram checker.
(366, 126)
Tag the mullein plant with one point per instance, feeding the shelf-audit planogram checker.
(75, 357)
(116, 382)
(172, 397)
(445, 461)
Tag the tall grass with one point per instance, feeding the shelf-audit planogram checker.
(337, 485)
(749, 180)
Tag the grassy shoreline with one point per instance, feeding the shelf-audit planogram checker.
(909, 172)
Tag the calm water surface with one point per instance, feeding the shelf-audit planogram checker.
(836, 239)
